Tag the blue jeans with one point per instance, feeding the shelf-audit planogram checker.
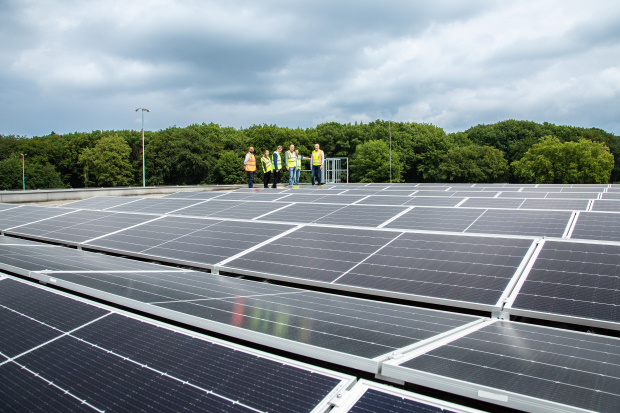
(297, 173)
(316, 171)
(292, 173)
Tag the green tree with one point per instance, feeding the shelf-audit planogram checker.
(38, 174)
(229, 169)
(108, 162)
(474, 163)
(551, 161)
(371, 163)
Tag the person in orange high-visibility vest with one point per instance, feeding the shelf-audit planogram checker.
(249, 164)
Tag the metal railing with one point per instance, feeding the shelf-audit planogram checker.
(334, 172)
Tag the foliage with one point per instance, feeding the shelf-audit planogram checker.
(371, 163)
(192, 155)
(551, 161)
(38, 174)
(229, 169)
(107, 164)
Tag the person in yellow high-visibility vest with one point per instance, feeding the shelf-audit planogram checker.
(317, 163)
(267, 168)
(291, 165)
(277, 166)
(298, 168)
(249, 164)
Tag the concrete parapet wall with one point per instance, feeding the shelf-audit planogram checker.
(75, 194)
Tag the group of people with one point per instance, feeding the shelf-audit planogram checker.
(292, 161)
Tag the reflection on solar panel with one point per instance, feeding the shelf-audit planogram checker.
(604, 205)
(96, 359)
(80, 226)
(571, 280)
(189, 240)
(304, 322)
(25, 214)
(597, 226)
(523, 366)
(101, 202)
(511, 222)
(437, 219)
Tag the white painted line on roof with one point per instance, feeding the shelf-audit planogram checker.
(44, 219)
(395, 217)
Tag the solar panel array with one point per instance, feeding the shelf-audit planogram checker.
(541, 251)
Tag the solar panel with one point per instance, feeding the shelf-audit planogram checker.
(492, 203)
(250, 196)
(475, 194)
(604, 205)
(441, 267)
(79, 226)
(576, 282)
(611, 195)
(155, 205)
(347, 331)
(8, 206)
(249, 210)
(101, 202)
(116, 362)
(572, 195)
(361, 215)
(25, 214)
(522, 366)
(196, 195)
(522, 222)
(202, 242)
(437, 219)
(303, 213)
(432, 192)
(320, 254)
(23, 258)
(564, 204)
(339, 199)
(384, 200)
(370, 397)
(524, 194)
(597, 226)
(434, 201)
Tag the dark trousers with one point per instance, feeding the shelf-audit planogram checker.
(316, 171)
(277, 175)
(266, 179)
(250, 179)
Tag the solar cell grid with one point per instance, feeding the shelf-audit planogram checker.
(433, 192)
(611, 195)
(433, 201)
(250, 210)
(437, 219)
(546, 365)
(80, 226)
(155, 205)
(564, 204)
(475, 270)
(101, 202)
(361, 215)
(606, 205)
(571, 279)
(385, 200)
(196, 195)
(199, 241)
(303, 213)
(572, 195)
(511, 222)
(321, 254)
(25, 214)
(8, 206)
(492, 203)
(597, 226)
(523, 194)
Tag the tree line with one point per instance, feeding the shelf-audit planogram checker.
(509, 151)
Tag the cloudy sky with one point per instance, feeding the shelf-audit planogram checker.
(74, 65)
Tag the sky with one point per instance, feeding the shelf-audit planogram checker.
(70, 65)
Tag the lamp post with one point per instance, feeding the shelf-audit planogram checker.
(23, 171)
(390, 129)
(143, 168)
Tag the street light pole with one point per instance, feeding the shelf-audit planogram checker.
(23, 171)
(390, 129)
(143, 167)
